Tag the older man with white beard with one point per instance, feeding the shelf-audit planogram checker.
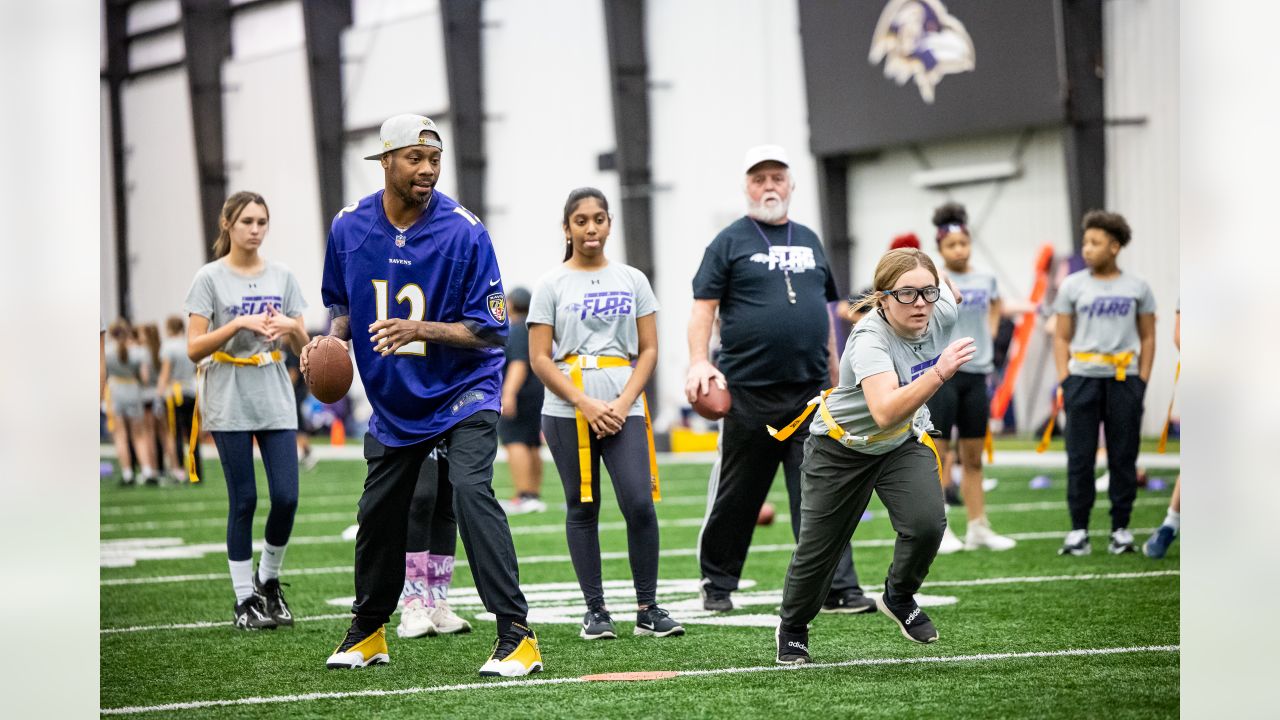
(769, 280)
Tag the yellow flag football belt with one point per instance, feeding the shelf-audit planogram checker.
(578, 363)
(260, 360)
(1119, 360)
(837, 433)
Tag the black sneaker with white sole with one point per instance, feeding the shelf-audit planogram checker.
(271, 592)
(1121, 542)
(656, 622)
(1076, 543)
(252, 614)
(597, 625)
(793, 647)
(848, 602)
(715, 599)
(911, 620)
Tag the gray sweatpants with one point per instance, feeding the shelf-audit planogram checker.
(836, 485)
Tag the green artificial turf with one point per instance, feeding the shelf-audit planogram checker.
(161, 666)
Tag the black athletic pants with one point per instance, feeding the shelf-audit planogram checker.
(384, 522)
(432, 525)
(742, 476)
(1117, 405)
(182, 418)
(626, 456)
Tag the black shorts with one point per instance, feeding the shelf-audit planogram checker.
(961, 402)
(525, 428)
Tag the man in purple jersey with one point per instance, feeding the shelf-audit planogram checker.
(417, 271)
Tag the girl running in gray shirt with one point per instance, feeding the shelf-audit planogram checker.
(242, 310)
(1103, 346)
(601, 316)
(871, 433)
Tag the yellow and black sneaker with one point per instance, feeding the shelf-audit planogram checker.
(514, 655)
(360, 649)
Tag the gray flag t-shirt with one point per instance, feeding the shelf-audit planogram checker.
(977, 292)
(181, 369)
(236, 397)
(594, 313)
(1106, 318)
(873, 348)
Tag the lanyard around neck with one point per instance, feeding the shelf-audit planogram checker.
(786, 274)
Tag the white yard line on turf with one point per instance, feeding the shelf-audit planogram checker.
(456, 601)
(498, 685)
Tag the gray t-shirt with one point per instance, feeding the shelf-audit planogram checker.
(181, 369)
(978, 291)
(873, 348)
(131, 369)
(247, 397)
(593, 313)
(1106, 318)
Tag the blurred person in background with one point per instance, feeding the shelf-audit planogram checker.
(520, 426)
(127, 373)
(1158, 544)
(177, 385)
(153, 404)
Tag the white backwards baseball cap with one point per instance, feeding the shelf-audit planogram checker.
(402, 131)
(764, 153)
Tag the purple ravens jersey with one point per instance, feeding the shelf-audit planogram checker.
(442, 269)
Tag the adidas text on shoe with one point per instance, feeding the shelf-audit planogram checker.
(848, 602)
(653, 621)
(912, 621)
(514, 655)
(252, 614)
(415, 620)
(714, 599)
(360, 649)
(1158, 544)
(793, 648)
(1121, 542)
(597, 624)
(1076, 543)
(276, 606)
(446, 620)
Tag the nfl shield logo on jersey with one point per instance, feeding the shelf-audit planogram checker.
(919, 40)
(498, 307)
(400, 240)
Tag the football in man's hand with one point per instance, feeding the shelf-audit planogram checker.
(329, 370)
(715, 403)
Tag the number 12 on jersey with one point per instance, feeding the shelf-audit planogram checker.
(412, 294)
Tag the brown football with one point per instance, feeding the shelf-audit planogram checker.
(329, 370)
(714, 404)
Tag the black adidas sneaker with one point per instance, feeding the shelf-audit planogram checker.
(793, 647)
(911, 620)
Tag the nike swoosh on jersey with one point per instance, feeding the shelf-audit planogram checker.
(494, 282)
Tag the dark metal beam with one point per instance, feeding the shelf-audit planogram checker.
(833, 202)
(624, 22)
(324, 23)
(115, 75)
(206, 33)
(464, 68)
(1085, 144)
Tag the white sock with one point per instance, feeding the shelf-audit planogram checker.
(270, 561)
(127, 474)
(1173, 519)
(241, 578)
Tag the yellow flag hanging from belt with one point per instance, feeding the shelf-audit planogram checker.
(577, 363)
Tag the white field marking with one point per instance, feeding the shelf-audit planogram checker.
(523, 560)
(862, 662)
(467, 597)
(218, 505)
(125, 552)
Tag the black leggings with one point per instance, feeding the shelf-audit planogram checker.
(626, 456)
(432, 525)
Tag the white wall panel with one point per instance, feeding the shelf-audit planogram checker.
(396, 67)
(548, 117)
(267, 29)
(165, 237)
(727, 76)
(270, 149)
(1143, 169)
(149, 14)
(106, 214)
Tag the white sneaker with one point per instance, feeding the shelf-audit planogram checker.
(350, 532)
(533, 505)
(950, 543)
(415, 620)
(1103, 483)
(989, 484)
(980, 535)
(446, 621)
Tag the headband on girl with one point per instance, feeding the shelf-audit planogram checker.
(945, 230)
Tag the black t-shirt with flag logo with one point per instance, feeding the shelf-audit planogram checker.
(765, 339)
